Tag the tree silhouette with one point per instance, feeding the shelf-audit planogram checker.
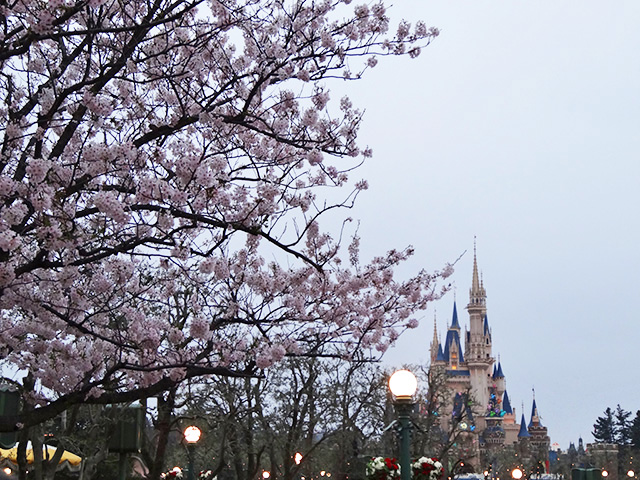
(604, 430)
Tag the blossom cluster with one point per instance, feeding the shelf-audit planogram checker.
(382, 468)
(174, 473)
(426, 468)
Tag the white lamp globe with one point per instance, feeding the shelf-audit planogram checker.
(517, 474)
(403, 384)
(192, 434)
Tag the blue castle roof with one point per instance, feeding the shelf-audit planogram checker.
(523, 428)
(454, 320)
(453, 337)
(506, 404)
(534, 413)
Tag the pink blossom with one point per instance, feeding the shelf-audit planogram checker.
(314, 157)
(109, 204)
(167, 211)
(199, 328)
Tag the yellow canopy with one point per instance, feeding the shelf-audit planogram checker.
(68, 459)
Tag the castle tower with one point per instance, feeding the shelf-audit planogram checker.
(539, 438)
(478, 341)
(511, 428)
(498, 379)
(524, 439)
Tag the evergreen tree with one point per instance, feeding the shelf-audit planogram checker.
(623, 426)
(634, 431)
(604, 430)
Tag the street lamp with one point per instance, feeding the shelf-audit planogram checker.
(516, 474)
(631, 474)
(403, 386)
(191, 436)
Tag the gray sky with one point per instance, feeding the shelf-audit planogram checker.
(519, 125)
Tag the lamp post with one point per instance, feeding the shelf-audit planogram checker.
(403, 386)
(191, 436)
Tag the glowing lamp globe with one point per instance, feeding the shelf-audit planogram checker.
(631, 474)
(192, 434)
(605, 473)
(516, 474)
(403, 384)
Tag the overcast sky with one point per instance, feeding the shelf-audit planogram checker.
(520, 125)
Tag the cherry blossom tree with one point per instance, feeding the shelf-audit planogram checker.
(164, 167)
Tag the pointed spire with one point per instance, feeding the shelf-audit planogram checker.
(475, 283)
(486, 326)
(477, 294)
(440, 356)
(523, 433)
(499, 373)
(454, 320)
(535, 418)
(435, 330)
(434, 341)
(506, 404)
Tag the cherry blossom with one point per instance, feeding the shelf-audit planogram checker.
(164, 171)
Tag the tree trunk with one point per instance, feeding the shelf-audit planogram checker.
(163, 428)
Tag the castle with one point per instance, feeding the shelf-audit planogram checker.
(474, 371)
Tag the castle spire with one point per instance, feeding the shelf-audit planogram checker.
(477, 293)
(454, 320)
(506, 403)
(523, 433)
(535, 418)
(475, 283)
(435, 344)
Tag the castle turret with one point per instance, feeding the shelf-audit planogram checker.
(478, 341)
(539, 439)
(498, 379)
(511, 428)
